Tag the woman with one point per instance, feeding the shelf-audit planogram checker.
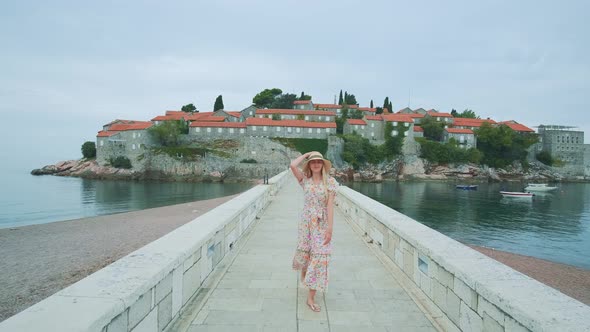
(315, 227)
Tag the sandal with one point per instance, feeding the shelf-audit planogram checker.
(314, 307)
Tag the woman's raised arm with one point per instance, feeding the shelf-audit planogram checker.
(294, 163)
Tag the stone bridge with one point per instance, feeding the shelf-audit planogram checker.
(230, 270)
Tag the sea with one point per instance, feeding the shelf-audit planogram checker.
(553, 226)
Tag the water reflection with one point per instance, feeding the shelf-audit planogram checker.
(554, 226)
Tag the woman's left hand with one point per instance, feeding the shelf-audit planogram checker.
(328, 236)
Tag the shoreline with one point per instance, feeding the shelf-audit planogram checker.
(45, 258)
(39, 260)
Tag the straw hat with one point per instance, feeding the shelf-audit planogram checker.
(317, 156)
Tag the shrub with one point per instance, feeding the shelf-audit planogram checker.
(276, 117)
(89, 149)
(120, 162)
(304, 145)
(168, 133)
(545, 157)
(249, 161)
(447, 153)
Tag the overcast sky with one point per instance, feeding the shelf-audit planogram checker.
(69, 67)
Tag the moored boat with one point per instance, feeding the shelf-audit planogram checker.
(466, 186)
(539, 187)
(516, 194)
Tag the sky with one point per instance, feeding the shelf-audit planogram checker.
(68, 67)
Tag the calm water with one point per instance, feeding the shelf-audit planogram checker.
(553, 226)
(27, 199)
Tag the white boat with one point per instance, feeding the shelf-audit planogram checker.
(538, 187)
(516, 194)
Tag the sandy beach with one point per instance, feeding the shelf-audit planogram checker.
(39, 260)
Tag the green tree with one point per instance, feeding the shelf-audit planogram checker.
(390, 108)
(355, 114)
(467, 113)
(168, 133)
(120, 162)
(545, 157)
(340, 99)
(283, 101)
(433, 129)
(304, 96)
(386, 102)
(218, 104)
(371, 105)
(266, 97)
(393, 144)
(501, 145)
(89, 149)
(349, 99)
(276, 117)
(379, 110)
(189, 108)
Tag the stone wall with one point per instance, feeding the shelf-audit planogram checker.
(150, 288)
(130, 143)
(464, 289)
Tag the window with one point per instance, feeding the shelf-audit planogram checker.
(306, 118)
(197, 130)
(231, 130)
(407, 124)
(298, 130)
(250, 112)
(438, 118)
(406, 133)
(101, 143)
(132, 146)
(264, 128)
(372, 125)
(289, 129)
(372, 134)
(208, 130)
(356, 127)
(241, 130)
(219, 130)
(133, 135)
(394, 133)
(310, 130)
(394, 123)
(253, 128)
(138, 134)
(462, 139)
(327, 130)
(318, 131)
(278, 128)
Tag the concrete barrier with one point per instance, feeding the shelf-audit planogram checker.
(472, 291)
(149, 288)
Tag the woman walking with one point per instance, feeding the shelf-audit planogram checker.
(314, 244)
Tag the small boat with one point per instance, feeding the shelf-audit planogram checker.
(466, 186)
(539, 187)
(516, 194)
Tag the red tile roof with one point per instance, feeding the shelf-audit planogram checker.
(368, 109)
(414, 115)
(517, 126)
(356, 122)
(294, 112)
(301, 102)
(441, 114)
(459, 131)
(374, 117)
(103, 133)
(219, 124)
(418, 129)
(167, 118)
(398, 118)
(334, 106)
(119, 121)
(234, 114)
(468, 122)
(288, 123)
(133, 126)
(197, 116)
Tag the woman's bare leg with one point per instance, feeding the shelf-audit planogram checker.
(311, 300)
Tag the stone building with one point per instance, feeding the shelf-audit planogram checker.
(469, 123)
(334, 108)
(445, 118)
(355, 126)
(217, 129)
(289, 128)
(566, 144)
(303, 105)
(418, 131)
(287, 114)
(465, 137)
(248, 112)
(122, 138)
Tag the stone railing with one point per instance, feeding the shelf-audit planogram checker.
(467, 290)
(149, 288)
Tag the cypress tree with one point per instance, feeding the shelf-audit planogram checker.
(302, 95)
(371, 103)
(218, 104)
(390, 108)
(345, 97)
(386, 102)
(340, 100)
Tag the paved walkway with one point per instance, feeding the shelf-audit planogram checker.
(259, 291)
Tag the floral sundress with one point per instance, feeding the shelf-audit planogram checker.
(311, 253)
